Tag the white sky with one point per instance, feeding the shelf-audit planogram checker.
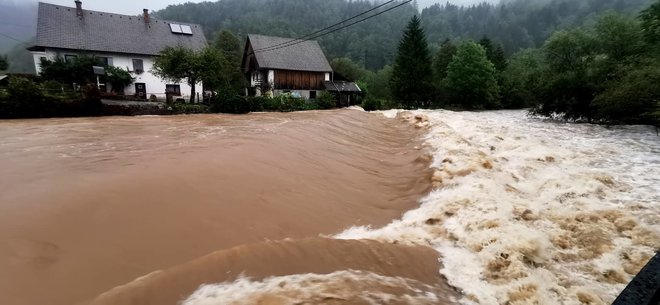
(134, 7)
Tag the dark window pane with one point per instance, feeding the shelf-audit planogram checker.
(137, 66)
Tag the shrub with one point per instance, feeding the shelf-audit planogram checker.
(326, 100)
(371, 104)
(185, 108)
(229, 103)
(285, 103)
(258, 103)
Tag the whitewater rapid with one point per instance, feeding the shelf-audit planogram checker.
(527, 211)
(523, 211)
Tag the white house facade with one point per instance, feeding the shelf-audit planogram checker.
(127, 42)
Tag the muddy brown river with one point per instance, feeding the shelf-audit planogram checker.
(91, 204)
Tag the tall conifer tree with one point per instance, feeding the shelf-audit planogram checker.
(412, 77)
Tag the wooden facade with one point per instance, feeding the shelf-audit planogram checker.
(298, 80)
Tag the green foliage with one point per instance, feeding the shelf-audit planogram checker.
(494, 53)
(619, 37)
(227, 43)
(118, 77)
(650, 19)
(442, 59)
(28, 99)
(370, 44)
(180, 63)
(521, 80)
(186, 108)
(470, 81)
(372, 104)
(326, 100)
(632, 99)
(412, 77)
(377, 84)
(605, 72)
(230, 103)
(515, 24)
(286, 103)
(569, 51)
(347, 68)
(4, 63)
(26, 95)
(73, 71)
(229, 77)
(80, 71)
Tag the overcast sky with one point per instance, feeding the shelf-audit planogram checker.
(134, 7)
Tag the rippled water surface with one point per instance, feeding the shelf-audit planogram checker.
(527, 211)
(339, 207)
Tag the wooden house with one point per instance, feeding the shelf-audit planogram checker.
(275, 66)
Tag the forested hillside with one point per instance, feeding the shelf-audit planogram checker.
(372, 43)
(515, 24)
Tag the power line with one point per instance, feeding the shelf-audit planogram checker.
(326, 28)
(298, 41)
(12, 38)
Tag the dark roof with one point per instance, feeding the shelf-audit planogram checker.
(341, 86)
(60, 27)
(305, 56)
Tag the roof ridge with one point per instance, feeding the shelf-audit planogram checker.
(137, 16)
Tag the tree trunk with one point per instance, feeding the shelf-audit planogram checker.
(192, 82)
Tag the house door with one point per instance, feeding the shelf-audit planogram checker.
(141, 90)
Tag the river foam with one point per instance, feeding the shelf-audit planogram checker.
(527, 211)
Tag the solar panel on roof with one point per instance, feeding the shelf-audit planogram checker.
(176, 28)
(186, 29)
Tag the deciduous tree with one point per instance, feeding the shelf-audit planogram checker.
(180, 63)
(470, 80)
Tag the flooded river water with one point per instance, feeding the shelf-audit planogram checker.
(307, 208)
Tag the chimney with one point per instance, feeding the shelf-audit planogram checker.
(145, 14)
(79, 11)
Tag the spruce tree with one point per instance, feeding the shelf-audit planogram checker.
(412, 76)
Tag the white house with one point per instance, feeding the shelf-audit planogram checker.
(129, 42)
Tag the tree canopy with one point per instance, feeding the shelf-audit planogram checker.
(80, 71)
(471, 81)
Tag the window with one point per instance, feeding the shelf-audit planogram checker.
(70, 58)
(173, 89)
(138, 66)
(312, 94)
(106, 61)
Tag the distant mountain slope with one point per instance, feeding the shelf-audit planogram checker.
(514, 23)
(517, 23)
(372, 42)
